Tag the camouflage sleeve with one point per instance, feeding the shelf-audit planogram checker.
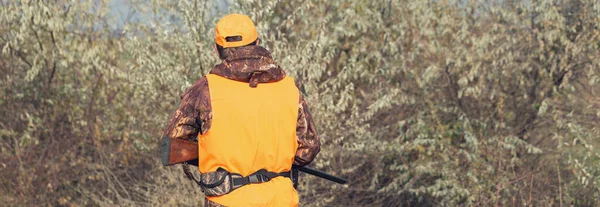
(309, 143)
(190, 118)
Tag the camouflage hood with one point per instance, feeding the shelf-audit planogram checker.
(251, 64)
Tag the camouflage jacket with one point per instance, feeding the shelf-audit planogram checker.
(251, 64)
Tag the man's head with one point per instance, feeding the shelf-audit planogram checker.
(234, 31)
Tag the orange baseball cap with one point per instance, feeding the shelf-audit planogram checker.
(235, 30)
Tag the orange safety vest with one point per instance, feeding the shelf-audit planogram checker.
(252, 129)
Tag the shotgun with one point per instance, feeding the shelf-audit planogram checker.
(176, 151)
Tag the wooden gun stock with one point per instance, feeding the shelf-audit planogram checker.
(175, 151)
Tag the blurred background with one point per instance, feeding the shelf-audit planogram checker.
(418, 103)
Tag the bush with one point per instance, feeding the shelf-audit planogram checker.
(418, 103)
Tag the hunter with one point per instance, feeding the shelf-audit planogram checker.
(250, 121)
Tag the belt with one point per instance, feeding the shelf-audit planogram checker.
(260, 176)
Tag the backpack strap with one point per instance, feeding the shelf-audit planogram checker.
(260, 176)
(222, 182)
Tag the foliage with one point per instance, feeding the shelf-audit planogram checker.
(426, 103)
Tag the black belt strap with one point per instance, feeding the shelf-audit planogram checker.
(258, 177)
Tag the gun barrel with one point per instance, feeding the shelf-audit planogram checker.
(322, 174)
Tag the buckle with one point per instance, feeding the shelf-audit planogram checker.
(258, 178)
(263, 178)
(253, 179)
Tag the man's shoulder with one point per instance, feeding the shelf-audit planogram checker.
(198, 88)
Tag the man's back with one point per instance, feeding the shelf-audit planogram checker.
(252, 129)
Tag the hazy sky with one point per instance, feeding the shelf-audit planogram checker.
(121, 8)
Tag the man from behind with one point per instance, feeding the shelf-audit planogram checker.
(250, 121)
